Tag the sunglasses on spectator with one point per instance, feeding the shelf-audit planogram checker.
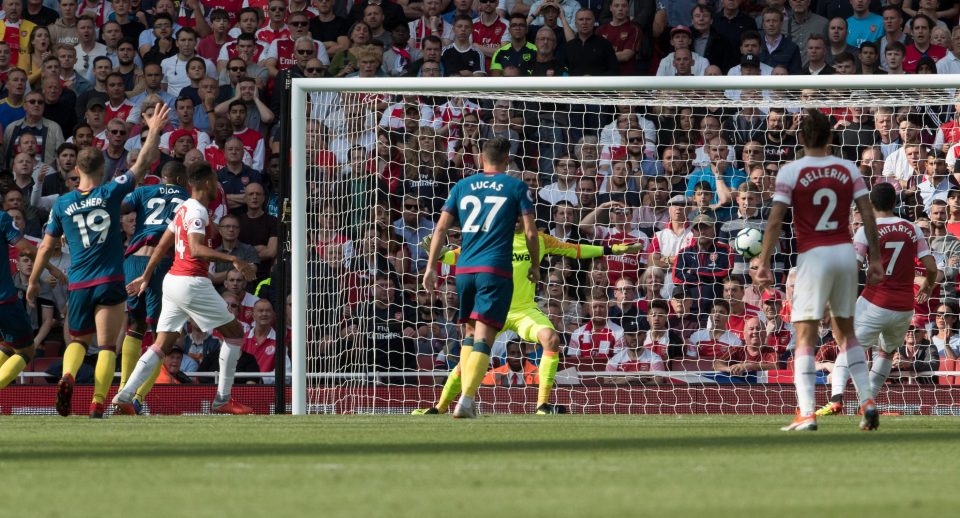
(118, 132)
(73, 178)
(237, 69)
(486, 1)
(34, 101)
(772, 170)
(633, 140)
(276, 9)
(313, 70)
(304, 52)
(298, 24)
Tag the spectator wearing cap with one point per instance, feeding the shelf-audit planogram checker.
(779, 331)
(667, 242)
(816, 56)
(589, 54)
(634, 357)
(681, 37)
(704, 263)
(708, 43)
(48, 134)
(922, 46)
(95, 118)
(753, 356)
(778, 49)
(172, 371)
(716, 340)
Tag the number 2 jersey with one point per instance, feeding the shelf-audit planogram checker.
(487, 207)
(90, 221)
(901, 244)
(191, 218)
(155, 206)
(821, 191)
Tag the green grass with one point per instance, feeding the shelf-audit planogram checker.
(512, 466)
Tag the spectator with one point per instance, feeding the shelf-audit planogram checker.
(461, 58)
(625, 36)
(431, 23)
(918, 357)
(261, 340)
(373, 17)
(935, 183)
(704, 263)
(517, 371)
(946, 338)
(676, 235)
(779, 330)
(397, 59)
(682, 38)
(19, 39)
(391, 344)
(804, 23)
(589, 54)
(816, 56)
(717, 340)
(662, 340)
(863, 25)
(600, 338)
(740, 311)
(754, 356)
(719, 168)
(921, 46)
(777, 49)
(894, 57)
(869, 59)
(153, 85)
(634, 357)
(431, 51)
(331, 30)
(235, 285)
(411, 228)
(950, 64)
(733, 23)
(171, 372)
(892, 31)
(259, 229)
(47, 133)
(517, 51)
(837, 36)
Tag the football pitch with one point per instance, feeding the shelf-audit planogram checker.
(513, 466)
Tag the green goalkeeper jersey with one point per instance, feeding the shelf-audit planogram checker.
(524, 291)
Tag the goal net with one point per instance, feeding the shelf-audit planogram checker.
(609, 161)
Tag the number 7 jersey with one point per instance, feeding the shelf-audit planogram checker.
(191, 218)
(821, 191)
(90, 221)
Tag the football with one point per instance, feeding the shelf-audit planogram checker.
(748, 243)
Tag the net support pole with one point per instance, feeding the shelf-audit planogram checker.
(279, 285)
(298, 241)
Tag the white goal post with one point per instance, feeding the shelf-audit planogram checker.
(772, 91)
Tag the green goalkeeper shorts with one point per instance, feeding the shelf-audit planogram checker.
(527, 323)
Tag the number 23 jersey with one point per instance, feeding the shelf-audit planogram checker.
(821, 191)
(90, 221)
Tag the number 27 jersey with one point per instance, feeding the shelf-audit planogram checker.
(90, 221)
(821, 191)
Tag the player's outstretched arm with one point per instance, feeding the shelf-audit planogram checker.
(437, 243)
(764, 277)
(532, 237)
(139, 285)
(875, 263)
(929, 278)
(39, 264)
(200, 250)
(150, 151)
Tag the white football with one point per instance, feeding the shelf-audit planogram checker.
(748, 243)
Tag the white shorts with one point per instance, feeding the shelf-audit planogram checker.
(874, 323)
(194, 298)
(825, 274)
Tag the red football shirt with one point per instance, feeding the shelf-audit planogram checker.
(901, 245)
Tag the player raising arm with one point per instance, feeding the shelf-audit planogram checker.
(89, 219)
(525, 317)
(487, 206)
(821, 188)
(189, 294)
(884, 311)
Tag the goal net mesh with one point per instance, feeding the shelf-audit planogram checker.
(606, 167)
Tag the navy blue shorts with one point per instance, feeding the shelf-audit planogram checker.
(82, 305)
(15, 328)
(485, 297)
(146, 306)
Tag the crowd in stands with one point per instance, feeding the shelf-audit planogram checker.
(683, 179)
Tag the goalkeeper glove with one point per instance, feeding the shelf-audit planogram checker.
(425, 244)
(623, 248)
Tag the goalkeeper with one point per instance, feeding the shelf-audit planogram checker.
(525, 318)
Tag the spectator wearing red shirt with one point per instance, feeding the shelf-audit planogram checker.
(624, 35)
(600, 337)
(276, 27)
(753, 356)
(779, 330)
(716, 341)
(609, 224)
(660, 339)
(921, 46)
(261, 341)
(740, 311)
(235, 284)
(634, 357)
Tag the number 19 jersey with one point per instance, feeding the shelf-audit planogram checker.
(821, 191)
(487, 207)
(91, 223)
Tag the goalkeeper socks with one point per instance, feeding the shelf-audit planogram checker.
(450, 390)
(73, 358)
(857, 364)
(839, 376)
(805, 377)
(878, 374)
(229, 354)
(103, 374)
(149, 361)
(11, 368)
(147, 385)
(129, 354)
(475, 368)
(548, 372)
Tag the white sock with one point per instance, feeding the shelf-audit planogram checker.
(804, 378)
(229, 354)
(145, 365)
(857, 364)
(878, 374)
(839, 376)
(466, 401)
